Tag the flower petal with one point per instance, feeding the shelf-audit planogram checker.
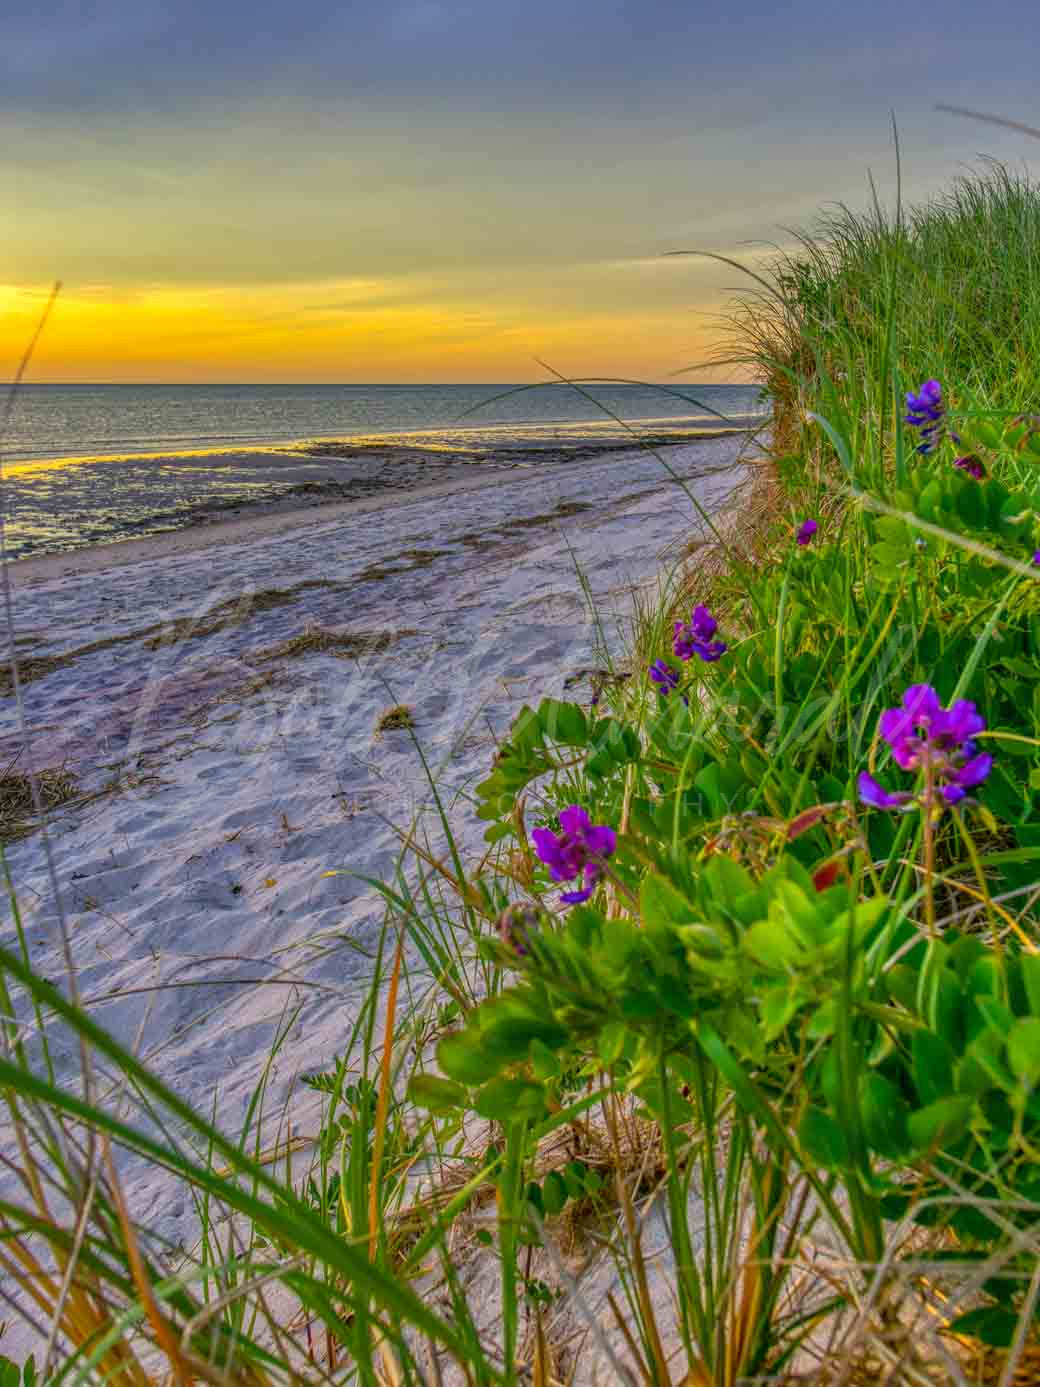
(703, 622)
(574, 820)
(921, 702)
(550, 850)
(600, 841)
(963, 721)
(873, 793)
(545, 844)
(975, 771)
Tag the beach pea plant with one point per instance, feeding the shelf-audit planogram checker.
(816, 925)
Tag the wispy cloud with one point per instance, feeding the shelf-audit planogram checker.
(499, 168)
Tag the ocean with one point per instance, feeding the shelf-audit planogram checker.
(85, 464)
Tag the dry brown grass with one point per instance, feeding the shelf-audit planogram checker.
(17, 806)
(392, 566)
(744, 530)
(319, 640)
(394, 719)
(225, 616)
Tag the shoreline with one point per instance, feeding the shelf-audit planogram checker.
(316, 503)
(531, 436)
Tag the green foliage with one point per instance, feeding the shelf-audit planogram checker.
(762, 937)
(11, 1375)
(532, 750)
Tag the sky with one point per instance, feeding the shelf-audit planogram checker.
(455, 190)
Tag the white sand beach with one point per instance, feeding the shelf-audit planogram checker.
(233, 770)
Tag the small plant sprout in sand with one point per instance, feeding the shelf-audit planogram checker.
(397, 718)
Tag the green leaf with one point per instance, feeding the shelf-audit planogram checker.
(1030, 964)
(983, 1065)
(745, 1034)
(996, 1015)
(543, 1061)
(704, 945)
(727, 880)
(933, 1066)
(884, 1113)
(435, 1094)
(707, 782)
(462, 1056)
(779, 1006)
(554, 1193)
(797, 912)
(822, 1139)
(662, 905)
(824, 1020)
(1023, 1047)
(941, 1124)
(574, 1175)
(510, 1100)
(887, 559)
(525, 735)
(676, 997)
(509, 1037)
(929, 500)
(611, 1042)
(989, 1324)
(772, 943)
(563, 722)
(640, 1005)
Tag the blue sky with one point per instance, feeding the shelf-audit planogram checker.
(509, 171)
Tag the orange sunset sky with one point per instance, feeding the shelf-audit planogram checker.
(431, 191)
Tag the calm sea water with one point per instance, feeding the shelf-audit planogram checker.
(88, 464)
(52, 421)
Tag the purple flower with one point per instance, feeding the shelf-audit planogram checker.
(870, 792)
(578, 851)
(664, 677)
(695, 637)
(971, 465)
(1036, 558)
(926, 411)
(922, 734)
(805, 532)
(926, 406)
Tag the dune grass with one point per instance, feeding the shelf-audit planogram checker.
(791, 1036)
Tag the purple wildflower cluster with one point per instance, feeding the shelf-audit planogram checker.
(925, 411)
(664, 677)
(578, 851)
(694, 637)
(923, 735)
(806, 530)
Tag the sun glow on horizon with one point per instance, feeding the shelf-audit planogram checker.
(346, 331)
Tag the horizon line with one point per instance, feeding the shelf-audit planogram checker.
(365, 385)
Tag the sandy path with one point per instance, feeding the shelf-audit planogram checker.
(260, 771)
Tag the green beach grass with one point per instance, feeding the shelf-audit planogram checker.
(793, 1024)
